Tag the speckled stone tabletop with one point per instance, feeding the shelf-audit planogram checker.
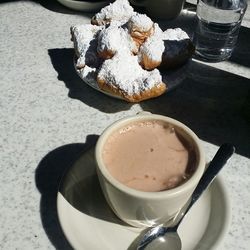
(48, 115)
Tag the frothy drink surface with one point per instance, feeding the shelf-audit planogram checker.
(148, 156)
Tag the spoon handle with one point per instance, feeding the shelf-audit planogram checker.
(223, 154)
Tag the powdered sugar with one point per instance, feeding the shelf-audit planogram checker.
(124, 72)
(152, 48)
(89, 74)
(82, 35)
(174, 34)
(140, 22)
(120, 10)
(158, 31)
(153, 79)
(115, 38)
(85, 43)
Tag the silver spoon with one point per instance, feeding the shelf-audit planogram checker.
(161, 237)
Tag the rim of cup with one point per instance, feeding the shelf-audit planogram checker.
(187, 185)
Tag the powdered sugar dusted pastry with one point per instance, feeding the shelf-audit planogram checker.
(119, 52)
(85, 44)
(178, 48)
(150, 53)
(120, 11)
(113, 39)
(123, 76)
(140, 27)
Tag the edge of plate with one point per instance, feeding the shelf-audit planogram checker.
(219, 238)
(95, 87)
(228, 213)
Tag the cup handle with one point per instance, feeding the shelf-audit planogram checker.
(139, 3)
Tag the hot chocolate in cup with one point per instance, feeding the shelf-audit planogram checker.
(148, 166)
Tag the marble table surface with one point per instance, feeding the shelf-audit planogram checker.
(48, 115)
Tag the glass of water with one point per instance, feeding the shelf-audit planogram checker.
(218, 28)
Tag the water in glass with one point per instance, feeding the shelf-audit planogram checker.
(218, 26)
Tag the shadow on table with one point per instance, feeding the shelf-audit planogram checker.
(241, 53)
(81, 189)
(48, 175)
(62, 61)
(70, 171)
(212, 102)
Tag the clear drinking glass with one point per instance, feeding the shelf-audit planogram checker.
(218, 27)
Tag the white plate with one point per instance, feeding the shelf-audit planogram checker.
(172, 78)
(88, 223)
(88, 6)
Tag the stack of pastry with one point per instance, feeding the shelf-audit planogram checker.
(121, 50)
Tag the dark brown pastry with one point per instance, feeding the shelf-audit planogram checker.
(178, 48)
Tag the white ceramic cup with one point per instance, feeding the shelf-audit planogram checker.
(164, 9)
(139, 208)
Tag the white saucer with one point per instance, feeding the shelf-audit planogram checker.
(88, 223)
(172, 78)
(88, 6)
